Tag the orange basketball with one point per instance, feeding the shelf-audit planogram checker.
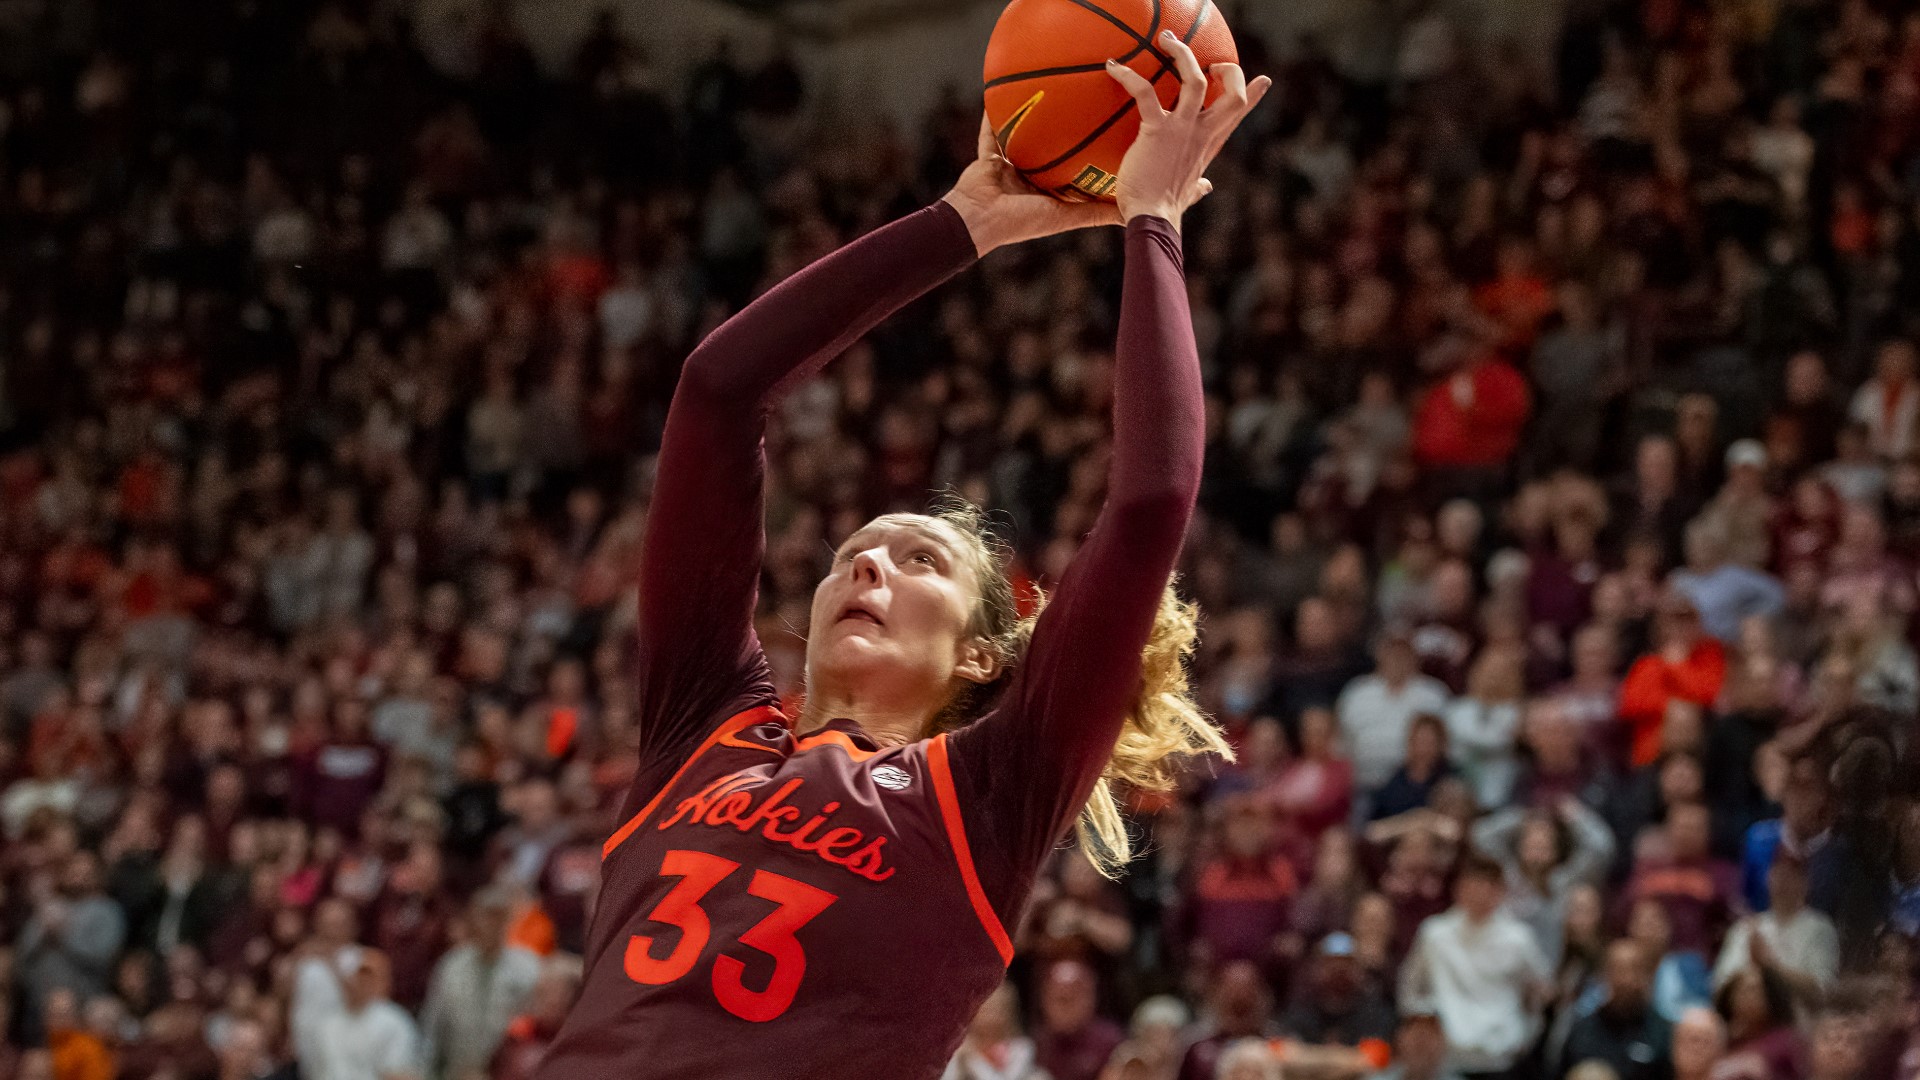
(1061, 119)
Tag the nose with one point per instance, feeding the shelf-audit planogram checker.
(869, 564)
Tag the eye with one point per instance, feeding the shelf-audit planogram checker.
(924, 558)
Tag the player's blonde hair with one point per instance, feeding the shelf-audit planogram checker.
(1163, 723)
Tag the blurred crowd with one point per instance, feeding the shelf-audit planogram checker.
(1559, 549)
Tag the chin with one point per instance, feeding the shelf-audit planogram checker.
(852, 657)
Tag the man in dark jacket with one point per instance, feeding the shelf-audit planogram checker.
(1339, 1007)
(1626, 1032)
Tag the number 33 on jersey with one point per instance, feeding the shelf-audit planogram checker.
(774, 869)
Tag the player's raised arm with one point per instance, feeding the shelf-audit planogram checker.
(700, 567)
(1030, 765)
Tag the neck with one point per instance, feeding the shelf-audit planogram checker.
(888, 726)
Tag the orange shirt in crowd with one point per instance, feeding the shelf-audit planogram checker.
(1654, 681)
(79, 1055)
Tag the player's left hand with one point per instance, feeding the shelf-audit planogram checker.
(1000, 208)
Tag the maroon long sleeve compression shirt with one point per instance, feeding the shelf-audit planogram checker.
(798, 905)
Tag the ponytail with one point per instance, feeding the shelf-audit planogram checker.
(1163, 725)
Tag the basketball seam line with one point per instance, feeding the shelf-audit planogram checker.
(1072, 69)
(1166, 65)
(1140, 44)
(1124, 28)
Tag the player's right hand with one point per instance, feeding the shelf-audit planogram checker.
(1000, 208)
(1164, 171)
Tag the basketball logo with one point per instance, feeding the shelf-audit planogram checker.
(891, 778)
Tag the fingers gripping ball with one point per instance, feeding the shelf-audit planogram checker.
(1058, 116)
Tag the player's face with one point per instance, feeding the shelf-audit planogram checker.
(898, 606)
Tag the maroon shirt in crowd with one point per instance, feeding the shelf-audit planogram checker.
(1078, 1054)
(1241, 905)
(792, 905)
(336, 781)
(1699, 895)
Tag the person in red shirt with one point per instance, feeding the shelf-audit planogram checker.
(829, 895)
(1467, 425)
(1688, 665)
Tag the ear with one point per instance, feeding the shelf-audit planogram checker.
(976, 661)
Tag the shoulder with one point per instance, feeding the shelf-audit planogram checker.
(1817, 924)
(1507, 925)
(1364, 687)
(455, 959)
(390, 1019)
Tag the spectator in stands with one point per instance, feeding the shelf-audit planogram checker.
(1724, 591)
(1478, 969)
(1314, 790)
(1154, 1042)
(1377, 711)
(1699, 1042)
(1889, 403)
(1426, 765)
(1248, 1059)
(532, 1031)
(994, 1048)
(1625, 1032)
(1758, 1010)
(369, 1037)
(1545, 856)
(246, 1054)
(478, 989)
(1803, 832)
(1073, 1042)
(1788, 941)
(1467, 425)
(78, 1054)
(1336, 1005)
(1242, 897)
(1699, 892)
(1239, 1007)
(70, 941)
(1419, 1051)
(1483, 725)
(1686, 666)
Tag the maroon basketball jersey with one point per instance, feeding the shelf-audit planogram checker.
(799, 908)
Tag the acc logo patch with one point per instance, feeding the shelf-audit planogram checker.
(891, 778)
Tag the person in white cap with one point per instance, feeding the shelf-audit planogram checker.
(1742, 510)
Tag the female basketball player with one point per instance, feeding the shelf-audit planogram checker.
(829, 898)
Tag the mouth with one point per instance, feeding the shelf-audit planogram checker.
(858, 613)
